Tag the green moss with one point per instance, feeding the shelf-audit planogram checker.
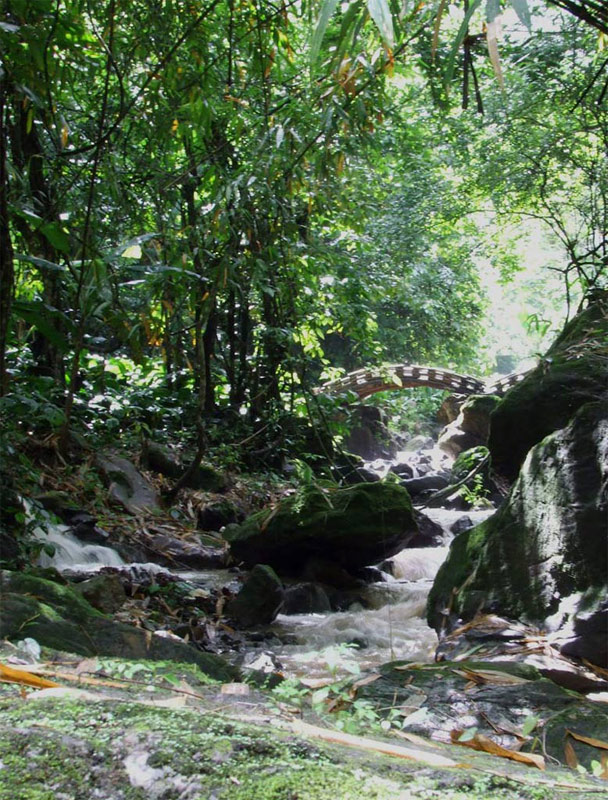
(73, 749)
(356, 525)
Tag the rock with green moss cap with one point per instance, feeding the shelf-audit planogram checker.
(58, 617)
(353, 527)
(573, 372)
(547, 543)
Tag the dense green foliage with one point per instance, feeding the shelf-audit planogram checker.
(209, 207)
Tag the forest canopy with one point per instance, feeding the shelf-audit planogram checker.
(212, 207)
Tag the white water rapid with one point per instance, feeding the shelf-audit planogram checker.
(394, 627)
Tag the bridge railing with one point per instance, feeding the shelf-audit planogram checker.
(393, 377)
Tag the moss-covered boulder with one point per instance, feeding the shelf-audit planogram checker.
(353, 526)
(259, 600)
(573, 372)
(548, 542)
(59, 617)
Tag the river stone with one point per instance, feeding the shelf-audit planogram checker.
(259, 600)
(352, 526)
(548, 542)
(305, 598)
(471, 427)
(573, 372)
(171, 551)
(60, 618)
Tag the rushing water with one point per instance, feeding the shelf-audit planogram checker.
(388, 624)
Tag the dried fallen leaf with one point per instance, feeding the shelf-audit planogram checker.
(364, 681)
(13, 675)
(570, 755)
(588, 740)
(486, 745)
(491, 676)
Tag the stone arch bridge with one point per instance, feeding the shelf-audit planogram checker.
(368, 381)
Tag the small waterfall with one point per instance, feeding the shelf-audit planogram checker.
(71, 553)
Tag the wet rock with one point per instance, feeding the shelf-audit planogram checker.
(353, 527)
(430, 533)
(403, 470)
(462, 524)
(126, 485)
(103, 592)
(573, 372)
(587, 635)
(320, 570)
(425, 484)
(437, 699)
(547, 542)
(260, 599)
(175, 552)
(472, 426)
(305, 598)
(419, 442)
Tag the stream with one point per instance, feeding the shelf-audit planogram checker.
(388, 624)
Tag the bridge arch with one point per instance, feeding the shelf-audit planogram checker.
(394, 377)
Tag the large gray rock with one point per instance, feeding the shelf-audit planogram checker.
(126, 485)
(353, 527)
(471, 427)
(573, 372)
(546, 548)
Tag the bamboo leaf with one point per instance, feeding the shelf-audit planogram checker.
(491, 36)
(487, 745)
(380, 12)
(492, 10)
(523, 12)
(589, 740)
(327, 11)
(12, 675)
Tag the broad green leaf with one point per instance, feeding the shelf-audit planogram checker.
(41, 262)
(326, 13)
(134, 251)
(493, 10)
(462, 32)
(45, 319)
(57, 236)
(380, 12)
(523, 12)
(530, 723)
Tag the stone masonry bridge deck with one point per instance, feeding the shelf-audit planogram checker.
(368, 381)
